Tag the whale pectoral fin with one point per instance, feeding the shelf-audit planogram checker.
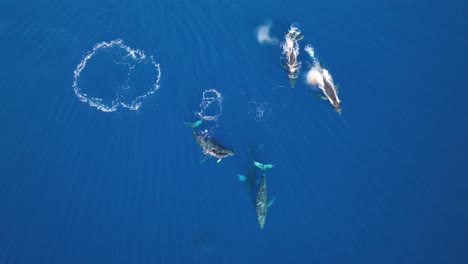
(271, 202)
(218, 161)
(241, 177)
(320, 97)
(337, 88)
(205, 159)
(194, 124)
(299, 38)
(283, 65)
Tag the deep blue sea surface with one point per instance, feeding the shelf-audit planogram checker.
(384, 182)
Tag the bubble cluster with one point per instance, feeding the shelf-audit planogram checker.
(260, 111)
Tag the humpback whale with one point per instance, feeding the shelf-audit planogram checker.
(290, 53)
(322, 78)
(261, 202)
(211, 147)
(330, 92)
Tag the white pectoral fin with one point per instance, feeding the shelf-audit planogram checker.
(271, 202)
(204, 159)
(320, 97)
(219, 160)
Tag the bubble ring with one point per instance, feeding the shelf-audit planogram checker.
(207, 100)
(136, 55)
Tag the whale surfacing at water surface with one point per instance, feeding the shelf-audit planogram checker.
(322, 78)
(290, 53)
(211, 147)
(330, 91)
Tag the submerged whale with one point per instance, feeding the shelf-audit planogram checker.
(261, 201)
(211, 147)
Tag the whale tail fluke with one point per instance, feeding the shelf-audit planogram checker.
(263, 166)
(194, 124)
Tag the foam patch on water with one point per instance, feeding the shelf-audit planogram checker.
(132, 91)
(263, 34)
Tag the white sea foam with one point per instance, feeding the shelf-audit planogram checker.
(310, 50)
(263, 34)
(128, 57)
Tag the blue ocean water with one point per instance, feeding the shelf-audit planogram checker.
(384, 182)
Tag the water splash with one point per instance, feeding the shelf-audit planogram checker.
(310, 50)
(263, 34)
